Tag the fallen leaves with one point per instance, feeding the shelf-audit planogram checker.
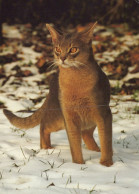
(9, 58)
(25, 60)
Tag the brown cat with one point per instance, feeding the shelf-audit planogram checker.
(78, 99)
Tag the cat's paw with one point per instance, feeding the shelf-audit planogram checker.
(81, 162)
(50, 147)
(95, 148)
(106, 162)
(78, 161)
(47, 147)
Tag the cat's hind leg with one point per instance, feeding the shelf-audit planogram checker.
(46, 128)
(45, 141)
(89, 140)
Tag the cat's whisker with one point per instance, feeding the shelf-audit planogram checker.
(55, 62)
(49, 62)
(78, 62)
(52, 66)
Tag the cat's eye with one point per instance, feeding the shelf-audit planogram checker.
(73, 50)
(58, 50)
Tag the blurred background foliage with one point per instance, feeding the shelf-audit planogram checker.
(115, 42)
(64, 12)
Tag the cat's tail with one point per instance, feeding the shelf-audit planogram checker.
(24, 123)
(35, 118)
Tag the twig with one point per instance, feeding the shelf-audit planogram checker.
(22, 152)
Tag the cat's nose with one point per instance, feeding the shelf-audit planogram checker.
(62, 58)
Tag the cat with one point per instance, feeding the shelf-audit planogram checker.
(78, 99)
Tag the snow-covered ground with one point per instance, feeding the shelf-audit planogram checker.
(24, 168)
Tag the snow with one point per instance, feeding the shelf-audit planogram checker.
(29, 55)
(24, 168)
(11, 31)
(131, 76)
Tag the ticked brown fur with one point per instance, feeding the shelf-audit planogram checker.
(78, 99)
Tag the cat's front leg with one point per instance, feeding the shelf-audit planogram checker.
(89, 140)
(72, 123)
(104, 123)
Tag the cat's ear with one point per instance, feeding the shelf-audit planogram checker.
(87, 35)
(55, 35)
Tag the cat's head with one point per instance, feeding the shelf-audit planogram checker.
(71, 49)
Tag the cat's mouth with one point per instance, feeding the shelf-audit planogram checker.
(64, 64)
(68, 64)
